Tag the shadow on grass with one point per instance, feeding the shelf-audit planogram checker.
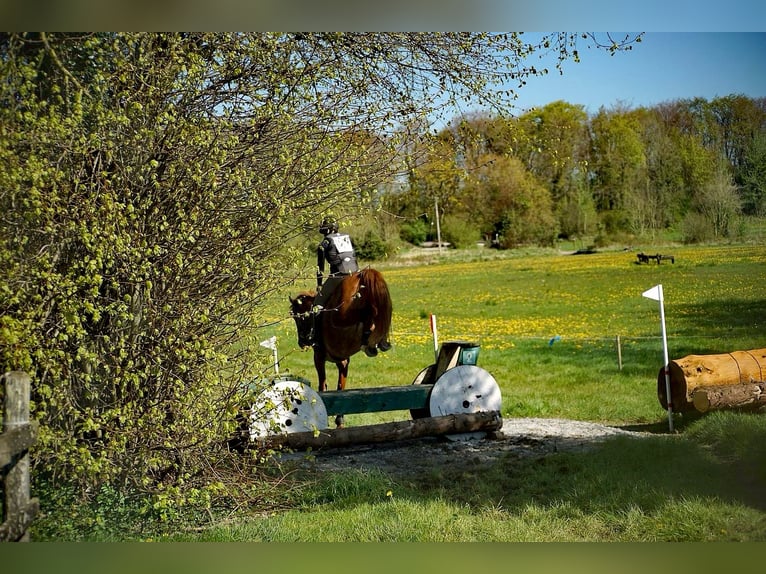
(709, 324)
(705, 484)
(722, 459)
(681, 421)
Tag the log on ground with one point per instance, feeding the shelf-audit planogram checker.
(699, 371)
(749, 395)
(385, 432)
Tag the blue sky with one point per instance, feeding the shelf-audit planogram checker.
(664, 66)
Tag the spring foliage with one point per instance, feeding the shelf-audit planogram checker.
(150, 185)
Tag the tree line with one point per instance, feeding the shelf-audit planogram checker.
(690, 165)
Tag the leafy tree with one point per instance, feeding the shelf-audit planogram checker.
(698, 166)
(553, 147)
(438, 178)
(658, 203)
(555, 151)
(719, 204)
(738, 119)
(753, 177)
(150, 185)
(576, 213)
(618, 162)
(512, 205)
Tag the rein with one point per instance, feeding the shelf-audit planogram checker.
(318, 309)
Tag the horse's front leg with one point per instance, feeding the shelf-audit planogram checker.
(342, 376)
(368, 326)
(319, 365)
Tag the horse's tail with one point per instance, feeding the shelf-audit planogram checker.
(380, 300)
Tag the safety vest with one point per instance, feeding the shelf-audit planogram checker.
(339, 253)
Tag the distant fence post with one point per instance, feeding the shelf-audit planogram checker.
(619, 353)
(18, 435)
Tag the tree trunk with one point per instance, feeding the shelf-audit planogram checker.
(746, 395)
(400, 430)
(700, 371)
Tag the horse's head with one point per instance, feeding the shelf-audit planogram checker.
(300, 310)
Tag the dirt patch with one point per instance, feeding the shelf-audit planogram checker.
(522, 437)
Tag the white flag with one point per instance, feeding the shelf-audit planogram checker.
(653, 293)
(270, 343)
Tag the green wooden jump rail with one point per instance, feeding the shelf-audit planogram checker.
(376, 399)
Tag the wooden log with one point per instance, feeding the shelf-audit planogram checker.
(745, 395)
(699, 371)
(386, 432)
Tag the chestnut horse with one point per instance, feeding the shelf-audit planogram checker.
(360, 303)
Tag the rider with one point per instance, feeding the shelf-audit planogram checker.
(337, 250)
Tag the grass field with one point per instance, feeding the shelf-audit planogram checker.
(702, 483)
(515, 304)
(698, 484)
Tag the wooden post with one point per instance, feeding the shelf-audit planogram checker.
(18, 435)
(438, 226)
(619, 353)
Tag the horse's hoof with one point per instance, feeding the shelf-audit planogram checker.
(384, 346)
(371, 351)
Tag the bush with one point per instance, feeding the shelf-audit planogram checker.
(527, 228)
(415, 232)
(136, 250)
(696, 229)
(460, 231)
(614, 220)
(371, 247)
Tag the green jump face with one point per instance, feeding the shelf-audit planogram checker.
(397, 398)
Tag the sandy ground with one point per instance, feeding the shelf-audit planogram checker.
(520, 437)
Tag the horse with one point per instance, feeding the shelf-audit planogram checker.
(360, 303)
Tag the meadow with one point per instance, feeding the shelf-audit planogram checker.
(547, 324)
(548, 327)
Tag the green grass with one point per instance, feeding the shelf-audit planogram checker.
(513, 304)
(661, 488)
(702, 483)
